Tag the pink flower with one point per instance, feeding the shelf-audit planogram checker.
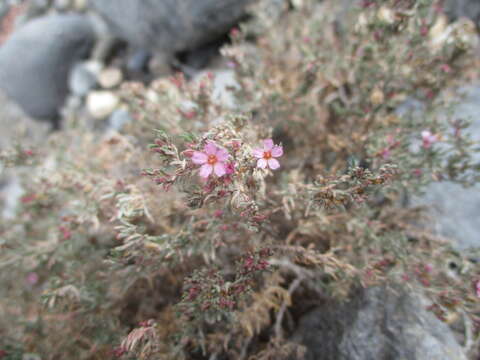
(266, 156)
(32, 278)
(386, 153)
(428, 139)
(213, 160)
(478, 288)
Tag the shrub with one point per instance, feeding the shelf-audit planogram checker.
(205, 227)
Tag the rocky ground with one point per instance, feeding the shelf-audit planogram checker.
(66, 57)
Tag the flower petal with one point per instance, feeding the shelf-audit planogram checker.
(206, 170)
(273, 164)
(258, 153)
(219, 169)
(262, 163)
(210, 148)
(277, 151)
(267, 144)
(199, 157)
(426, 134)
(222, 154)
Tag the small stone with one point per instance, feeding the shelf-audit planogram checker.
(110, 77)
(31, 357)
(81, 80)
(224, 86)
(11, 194)
(119, 119)
(386, 15)
(152, 96)
(94, 66)
(138, 61)
(80, 5)
(101, 104)
(62, 5)
(377, 97)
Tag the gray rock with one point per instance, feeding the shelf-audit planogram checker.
(455, 209)
(82, 79)
(119, 119)
(138, 61)
(170, 26)
(62, 5)
(4, 8)
(377, 323)
(36, 60)
(464, 8)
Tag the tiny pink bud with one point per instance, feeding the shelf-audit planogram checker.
(32, 278)
(386, 153)
(446, 68)
(28, 198)
(428, 139)
(66, 233)
(188, 153)
(230, 168)
(417, 172)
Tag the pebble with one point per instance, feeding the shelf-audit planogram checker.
(81, 80)
(110, 77)
(224, 85)
(62, 5)
(119, 119)
(80, 5)
(101, 104)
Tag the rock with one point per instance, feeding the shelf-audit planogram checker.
(80, 5)
(224, 85)
(110, 77)
(377, 323)
(119, 119)
(36, 60)
(101, 104)
(10, 194)
(82, 79)
(138, 61)
(62, 5)
(464, 8)
(456, 210)
(170, 26)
